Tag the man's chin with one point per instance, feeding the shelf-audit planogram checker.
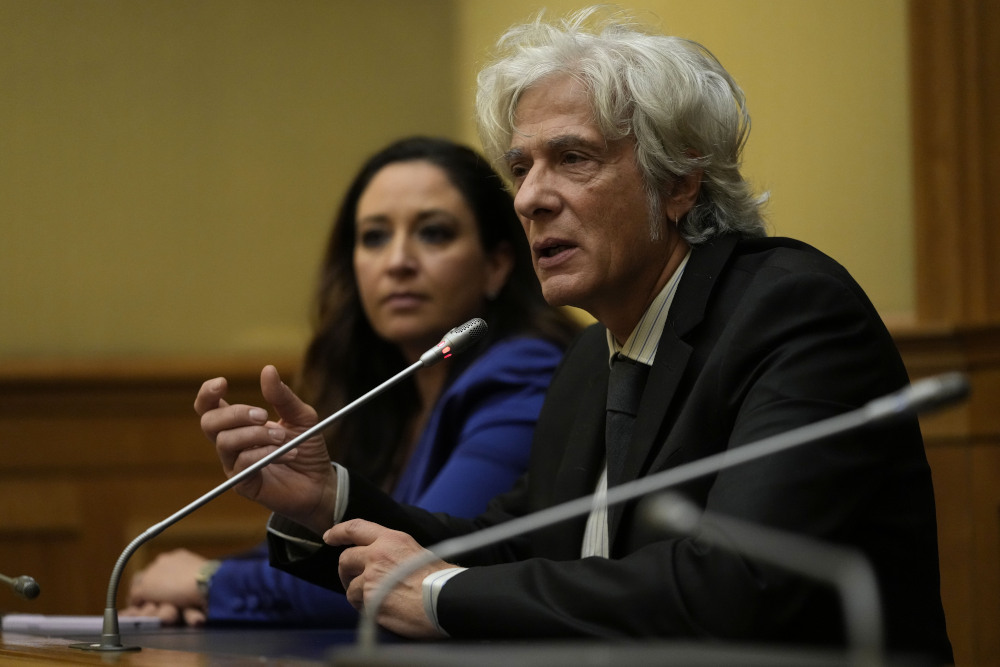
(558, 292)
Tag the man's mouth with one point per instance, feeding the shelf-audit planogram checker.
(552, 250)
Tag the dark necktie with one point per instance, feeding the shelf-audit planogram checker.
(624, 391)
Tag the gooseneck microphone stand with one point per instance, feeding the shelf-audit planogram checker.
(923, 395)
(457, 340)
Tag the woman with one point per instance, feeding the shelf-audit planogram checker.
(426, 239)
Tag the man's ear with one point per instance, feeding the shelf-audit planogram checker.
(683, 195)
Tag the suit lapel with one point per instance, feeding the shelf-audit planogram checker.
(672, 356)
(580, 466)
(579, 455)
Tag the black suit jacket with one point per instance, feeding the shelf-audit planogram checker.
(763, 336)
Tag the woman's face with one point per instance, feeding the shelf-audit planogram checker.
(420, 266)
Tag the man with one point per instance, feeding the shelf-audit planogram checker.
(623, 149)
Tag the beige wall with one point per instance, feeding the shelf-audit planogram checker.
(168, 168)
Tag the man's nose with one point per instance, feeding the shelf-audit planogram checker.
(537, 197)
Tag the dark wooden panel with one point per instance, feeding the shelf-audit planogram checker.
(97, 452)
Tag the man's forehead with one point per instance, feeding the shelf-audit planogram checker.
(554, 102)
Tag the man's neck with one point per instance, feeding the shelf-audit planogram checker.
(622, 323)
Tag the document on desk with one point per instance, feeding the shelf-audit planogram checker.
(72, 625)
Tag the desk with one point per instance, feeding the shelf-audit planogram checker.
(590, 653)
(229, 647)
(220, 647)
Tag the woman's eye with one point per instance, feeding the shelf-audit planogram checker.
(437, 233)
(373, 238)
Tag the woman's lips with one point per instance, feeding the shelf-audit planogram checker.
(404, 300)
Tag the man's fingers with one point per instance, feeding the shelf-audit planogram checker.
(236, 461)
(354, 591)
(350, 566)
(356, 532)
(210, 395)
(286, 403)
(229, 417)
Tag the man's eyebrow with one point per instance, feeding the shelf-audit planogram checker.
(512, 154)
(561, 142)
(568, 141)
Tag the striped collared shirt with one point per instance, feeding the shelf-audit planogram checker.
(641, 347)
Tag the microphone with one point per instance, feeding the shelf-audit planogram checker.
(24, 586)
(930, 393)
(457, 340)
(844, 568)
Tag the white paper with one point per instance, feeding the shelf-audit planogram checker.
(54, 624)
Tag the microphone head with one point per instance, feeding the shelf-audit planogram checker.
(459, 339)
(939, 391)
(26, 587)
(921, 396)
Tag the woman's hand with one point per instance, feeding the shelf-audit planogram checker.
(168, 589)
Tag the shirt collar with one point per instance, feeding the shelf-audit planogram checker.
(641, 343)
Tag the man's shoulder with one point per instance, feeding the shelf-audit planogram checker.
(778, 251)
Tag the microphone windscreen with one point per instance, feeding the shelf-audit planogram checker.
(939, 391)
(921, 396)
(28, 588)
(457, 340)
(463, 337)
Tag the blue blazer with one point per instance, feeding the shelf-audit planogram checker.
(476, 443)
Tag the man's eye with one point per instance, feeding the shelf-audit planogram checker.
(373, 238)
(572, 158)
(518, 171)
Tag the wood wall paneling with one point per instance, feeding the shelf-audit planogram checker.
(954, 67)
(96, 453)
(963, 449)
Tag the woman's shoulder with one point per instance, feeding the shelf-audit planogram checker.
(514, 359)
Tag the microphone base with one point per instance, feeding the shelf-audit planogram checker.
(105, 648)
(111, 639)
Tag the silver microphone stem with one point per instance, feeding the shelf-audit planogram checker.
(845, 568)
(945, 388)
(457, 340)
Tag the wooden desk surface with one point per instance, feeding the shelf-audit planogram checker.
(220, 647)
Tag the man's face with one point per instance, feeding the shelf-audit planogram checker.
(581, 201)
